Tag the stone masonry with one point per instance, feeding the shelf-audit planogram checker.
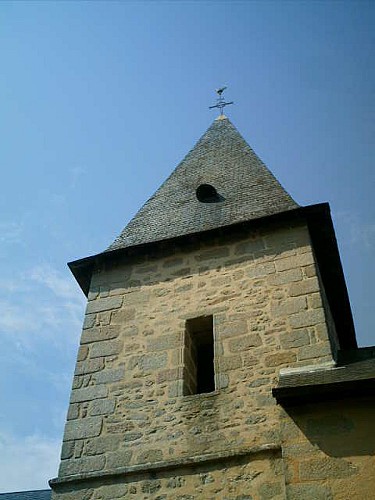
(130, 431)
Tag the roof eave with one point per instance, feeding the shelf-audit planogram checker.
(303, 394)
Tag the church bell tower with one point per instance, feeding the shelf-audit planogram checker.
(215, 302)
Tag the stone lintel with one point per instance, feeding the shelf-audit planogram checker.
(165, 465)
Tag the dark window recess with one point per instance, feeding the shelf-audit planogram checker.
(199, 374)
(208, 194)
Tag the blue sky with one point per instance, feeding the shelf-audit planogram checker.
(100, 101)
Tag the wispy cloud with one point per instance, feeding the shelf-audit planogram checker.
(40, 301)
(75, 174)
(46, 275)
(10, 232)
(357, 230)
(27, 462)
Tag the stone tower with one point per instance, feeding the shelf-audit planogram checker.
(218, 310)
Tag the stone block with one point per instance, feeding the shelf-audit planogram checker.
(175, 388)
(227, 363)
(103, 318)
(259, 382)
(232, 328)
(67, 450)
(280, 358)
(102, 444)
(287, 238)
(299, 260)
(102, 407)
(106, 348)
(150, 362)
(89, 321)
(117, 459)
(314, 351)
(315, 301)
(306, 318)
(295, 338)
(287, 307)
(108, 376)
(285, 277)
(213, 254)
(83, 428)
(82, 353)
(169, 375)
(309, 271)
(164, 342)
(245, 342)
(89, 366)
(249, 247)
(73, 411)
(307, 491)
(132, 436)
(104, 304)
(148, 456)
(222, 381)
(304, 287)
(100, 333)
(258, 271)
(77, 381)
(249, 360)
(81, 465)
(88, 393)
(112, 491)
(128, 332)
(123, 315)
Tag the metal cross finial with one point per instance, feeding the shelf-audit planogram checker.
(220, 101)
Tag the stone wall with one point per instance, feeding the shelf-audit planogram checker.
(127, 407)
(242, 477)
(329, 450)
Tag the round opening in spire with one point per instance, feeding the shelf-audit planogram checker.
(207, 194)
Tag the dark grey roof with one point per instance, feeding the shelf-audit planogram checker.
(360, 370)
(246, 190)
(27, 495)
(328, 382)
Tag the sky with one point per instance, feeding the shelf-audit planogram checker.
(100, 101)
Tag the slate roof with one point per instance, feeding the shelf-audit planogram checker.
(354, 379)
(27, 495)
(221, 158)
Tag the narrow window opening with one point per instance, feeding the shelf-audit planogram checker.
(199, 373)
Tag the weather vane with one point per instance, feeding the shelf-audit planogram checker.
(220, 101)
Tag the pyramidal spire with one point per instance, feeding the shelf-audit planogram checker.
(220, 182)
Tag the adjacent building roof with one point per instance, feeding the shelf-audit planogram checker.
(27, 495)
(355, 378)
(220, 182)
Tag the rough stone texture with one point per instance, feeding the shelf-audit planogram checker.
(329, 450)
(249, 478)
(84, 428)
(103, 304)
(88, 394)
(264, 319)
